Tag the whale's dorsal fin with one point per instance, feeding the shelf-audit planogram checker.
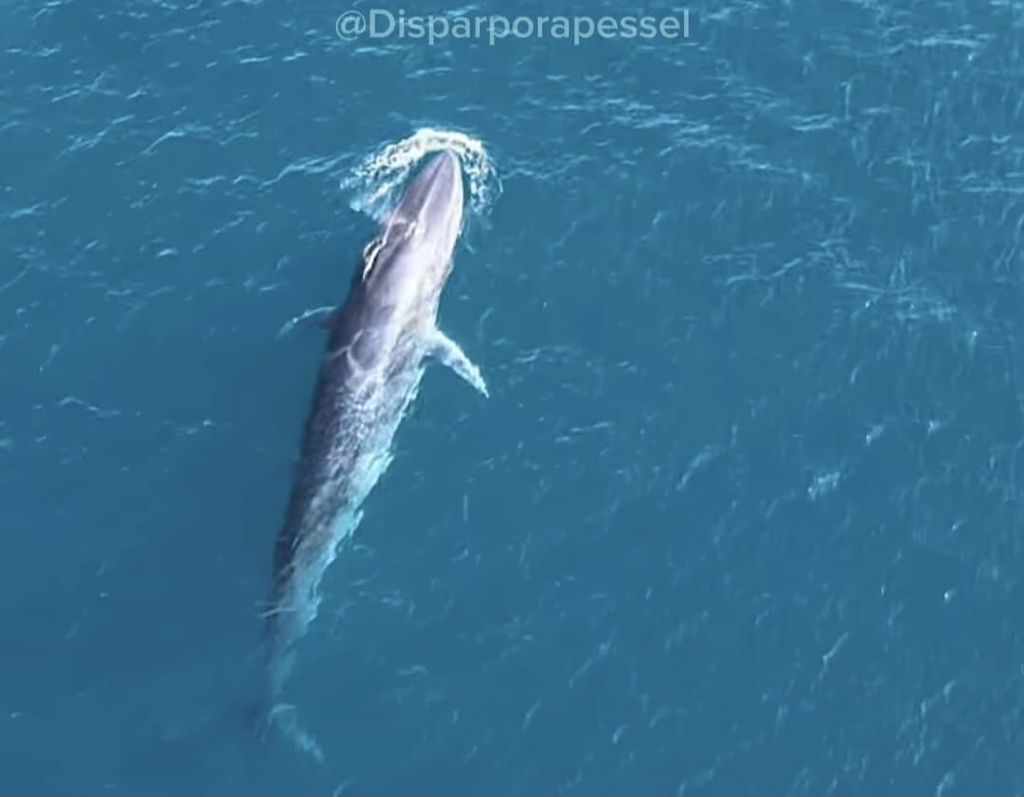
(449, 353)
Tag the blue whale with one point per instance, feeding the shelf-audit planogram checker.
(380, 342)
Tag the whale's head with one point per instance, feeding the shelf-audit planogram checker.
(408, 264)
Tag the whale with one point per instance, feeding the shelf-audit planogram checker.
(379, 344)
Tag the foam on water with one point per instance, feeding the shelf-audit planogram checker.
(376, 181)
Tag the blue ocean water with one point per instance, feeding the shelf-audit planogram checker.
(743, 513)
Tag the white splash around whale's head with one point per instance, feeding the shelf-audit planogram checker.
(377, 181)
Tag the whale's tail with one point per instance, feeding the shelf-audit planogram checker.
(270, 716)
(266, 720)
(283, 717)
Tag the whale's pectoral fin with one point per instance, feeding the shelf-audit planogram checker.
(322, 317)
(449, 353)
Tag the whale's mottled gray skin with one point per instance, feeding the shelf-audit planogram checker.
(379, 343)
